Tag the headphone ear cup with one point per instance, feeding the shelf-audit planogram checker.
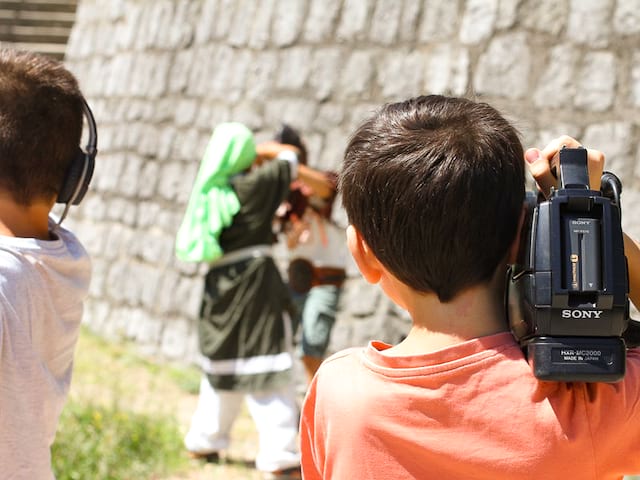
(77, 178)
(86, 179)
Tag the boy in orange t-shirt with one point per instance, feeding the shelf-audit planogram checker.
(434, 189)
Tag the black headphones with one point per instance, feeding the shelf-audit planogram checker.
(80, 171)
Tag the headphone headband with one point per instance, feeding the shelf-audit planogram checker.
(80, 171)
(92, 143)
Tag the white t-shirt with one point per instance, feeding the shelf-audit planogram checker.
(324, 243)
(42, 288)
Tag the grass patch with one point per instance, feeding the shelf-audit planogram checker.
(124, 414)
(111, 443)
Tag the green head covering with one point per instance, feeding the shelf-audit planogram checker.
(213, 203)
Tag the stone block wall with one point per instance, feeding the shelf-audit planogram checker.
(160, 74)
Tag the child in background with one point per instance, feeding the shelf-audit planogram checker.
(317, 259)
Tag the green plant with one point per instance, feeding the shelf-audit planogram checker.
(111, 443)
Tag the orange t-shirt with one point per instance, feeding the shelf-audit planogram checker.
(471, 411)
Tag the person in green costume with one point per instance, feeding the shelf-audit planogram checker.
(244, 333)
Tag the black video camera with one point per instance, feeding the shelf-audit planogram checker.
(568, 293)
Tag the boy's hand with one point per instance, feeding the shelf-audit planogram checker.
(540, 161)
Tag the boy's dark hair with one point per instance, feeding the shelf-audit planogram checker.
(435, 185)
(40, 124)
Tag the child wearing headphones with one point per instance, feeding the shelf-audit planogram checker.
(434, 190)
(44, 270)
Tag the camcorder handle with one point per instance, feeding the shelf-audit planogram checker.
(568, 293)
(611, 187)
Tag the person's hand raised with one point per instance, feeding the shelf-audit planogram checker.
(541, 163)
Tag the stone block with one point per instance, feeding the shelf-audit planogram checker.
(159, 75)
(385, 21)
(329, 116)
(128, 185)
(114, 281)
(354, 20)
(260, 32)
(209, 63)
(546, 16)
(556, 86)
(174, 334)
(261, 72)
(401, 75)
(116, 327)
(107, 171)
(589, 22)
(166, 138)
(176, 179)
(626, 17)
(447, 70)
(148, 276)
(98, 271)
(185, 111)
(552, 129)
(297, 111)
(357, 289)
(153, 23)
(144, 328)
(287, 21)
(126, 27)
(182, 26)
(613, 138)
(293, 68)
(440, 20)
(96, 314)
(246, 12)
(332, 154)
(153, 246)
(478, 21)
(321, 19)
(119, 239)
(326, 64)
(94, 207)
(248, 113)
(507, 14)
(205, 24)
(118, 74)
(357, 75)
(177, 338)
(409, 20)
(225, 11)
(596, 81)
(180, 71)
(635, 79)
(504, 69)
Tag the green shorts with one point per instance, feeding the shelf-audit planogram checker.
(317, 311)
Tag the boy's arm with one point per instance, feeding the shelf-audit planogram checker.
(309, 451)
(315, 179)
(632, 251)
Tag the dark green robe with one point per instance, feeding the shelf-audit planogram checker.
(241, 316)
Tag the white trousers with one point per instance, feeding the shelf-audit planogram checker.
(274, 413)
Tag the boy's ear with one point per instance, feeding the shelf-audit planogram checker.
(515, 245)
(367, 263)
